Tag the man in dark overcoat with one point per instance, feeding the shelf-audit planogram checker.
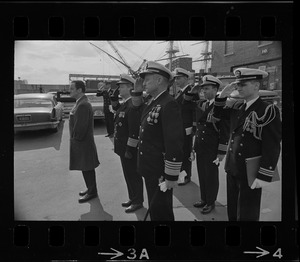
(83, 151)
(160, 148)
(255, 128)
(127, 123)
(187, 111)
(210, 144)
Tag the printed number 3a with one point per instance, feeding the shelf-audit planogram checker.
(278, 253)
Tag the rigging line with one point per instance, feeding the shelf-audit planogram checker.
(163, 50)
(129, 50)
(147, 49)
(181, 47)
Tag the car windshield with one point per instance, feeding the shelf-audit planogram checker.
(33, 102)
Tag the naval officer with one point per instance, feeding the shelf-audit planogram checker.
(161, 141)
(210, 144)
(127, 122)
(187, 111)
(255, 128)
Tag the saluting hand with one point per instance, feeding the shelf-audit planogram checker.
(227, 90)
(138, 86)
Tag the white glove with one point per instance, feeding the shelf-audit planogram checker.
(257, 183)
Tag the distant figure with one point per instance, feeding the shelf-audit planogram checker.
(83, 152)
(106, 91)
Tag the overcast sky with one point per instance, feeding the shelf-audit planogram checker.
(51, 62)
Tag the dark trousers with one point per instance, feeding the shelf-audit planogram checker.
(208, 174)
(186, 163)
(243, 203)
(160, 203)
(134, 180)
(90, 181)
(109, 122)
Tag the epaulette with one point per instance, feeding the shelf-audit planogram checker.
(254, 124)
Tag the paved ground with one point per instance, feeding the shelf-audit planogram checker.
(44, 188)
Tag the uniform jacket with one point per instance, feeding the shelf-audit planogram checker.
(187, 110)
(254, 132)
(212, 135)
(161, 138)
(106, 99)
(127, 123)
(83, 152)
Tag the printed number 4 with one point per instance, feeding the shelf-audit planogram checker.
(278, 253)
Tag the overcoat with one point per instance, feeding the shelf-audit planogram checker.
(83, 151)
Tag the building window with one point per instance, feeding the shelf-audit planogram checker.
(263, 43)
(228, 47)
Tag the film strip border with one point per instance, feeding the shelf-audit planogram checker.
(147, 20)
(183, 241)
(136, 240)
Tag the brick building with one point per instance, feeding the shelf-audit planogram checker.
(182, 62)
(265, 55)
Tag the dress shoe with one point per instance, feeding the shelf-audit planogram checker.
(87, 197)
(200, 204)
(186, 180)
(207, 209)
(107, 135)
(83, 193)
(127, 204)
(133, 208)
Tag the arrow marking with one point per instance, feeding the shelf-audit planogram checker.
(260, 253)
(117, 254)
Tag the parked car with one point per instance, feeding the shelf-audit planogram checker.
(97, 105)
(266, 95)
(67, 101)
(36, 111)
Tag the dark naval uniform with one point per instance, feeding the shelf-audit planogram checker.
(211, 140)
(254, 132)
(127, 122)
(108, 115)
(160, 152)
(187, 112)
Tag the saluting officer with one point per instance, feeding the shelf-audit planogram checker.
(106, 91)
(127, 122)
(255, 131)
(210, 144)
(161, 141)
(187, 111)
